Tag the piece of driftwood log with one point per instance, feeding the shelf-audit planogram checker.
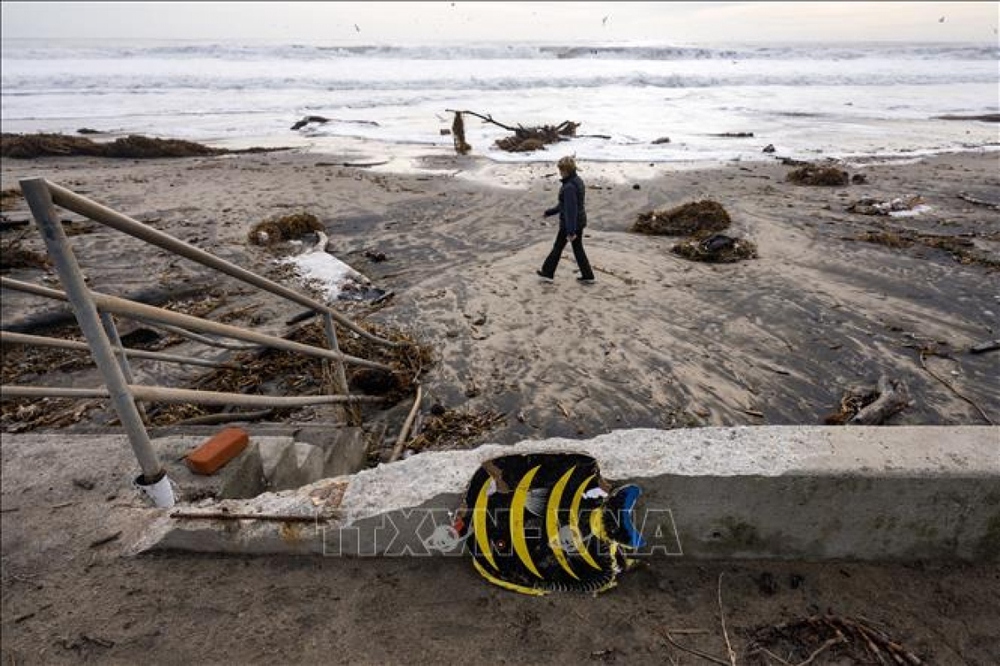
(319, 120)
(865, 405)
(462, 147)
(892, 397)
(989, 345)
(979, 202)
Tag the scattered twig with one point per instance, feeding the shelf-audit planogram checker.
(222, 515)
(697, 653)
(722, 620)
(822, 648)
(397, 450)
(226, 417)
(107, 539)
(923, 364)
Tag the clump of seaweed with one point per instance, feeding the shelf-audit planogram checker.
(454, 429)
(273, 231)
(287, 373)
(26, 146)
(962, 250)
(529, 139)
(716, 249)
(13, 254)
(8, 198)
(813, 174)
(684, 220)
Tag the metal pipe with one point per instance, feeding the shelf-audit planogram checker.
(131, 308)
(125, 224)
(119, 349)
(197, 338)
(36, 193)
(8, 337)
(135, 310)
(172, 395)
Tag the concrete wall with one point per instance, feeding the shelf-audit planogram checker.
(880, 493)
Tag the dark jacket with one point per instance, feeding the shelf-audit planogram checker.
(571, 208)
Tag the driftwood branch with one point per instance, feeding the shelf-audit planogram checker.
(525, 139)
(923, 364)
(401, 440)
(487, 118)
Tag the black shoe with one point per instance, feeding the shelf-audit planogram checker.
(583, 280)
(545, 277)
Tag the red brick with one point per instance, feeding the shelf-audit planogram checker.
(217, 451)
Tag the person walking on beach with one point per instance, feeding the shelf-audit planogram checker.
(572, 221)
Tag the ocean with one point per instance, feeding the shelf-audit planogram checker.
(808, 101)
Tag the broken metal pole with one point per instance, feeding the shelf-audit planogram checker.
(36, 193)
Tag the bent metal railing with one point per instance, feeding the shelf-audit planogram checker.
(93, 309)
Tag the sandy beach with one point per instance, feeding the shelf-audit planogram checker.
(659, 341)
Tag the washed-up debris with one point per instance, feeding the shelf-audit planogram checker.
(13, 254)
(963, 250)
(462, 146)
(897, 207)
(8, 198)
(24, 146)
(813, 174)
(331, 277)
(867, 405)
(525, 139)
(322, 120)
(685, 220)
(716, 249)
(982, 347)
(290, 373)
(287, 227)
(837, 639)
(455, 429)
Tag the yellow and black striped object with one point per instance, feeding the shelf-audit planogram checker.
(544, 522)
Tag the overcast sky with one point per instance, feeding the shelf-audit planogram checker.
(422, 22)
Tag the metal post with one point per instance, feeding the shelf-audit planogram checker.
(116, 344)
(36, 193)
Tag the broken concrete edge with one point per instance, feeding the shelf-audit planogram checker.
(764, 492)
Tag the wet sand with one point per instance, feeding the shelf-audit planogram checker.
(659, 340)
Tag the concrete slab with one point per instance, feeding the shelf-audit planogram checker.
(240, 477)
(803, 492)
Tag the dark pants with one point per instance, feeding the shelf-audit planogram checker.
(551, 261)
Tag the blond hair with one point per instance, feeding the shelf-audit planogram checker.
(567, 164)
